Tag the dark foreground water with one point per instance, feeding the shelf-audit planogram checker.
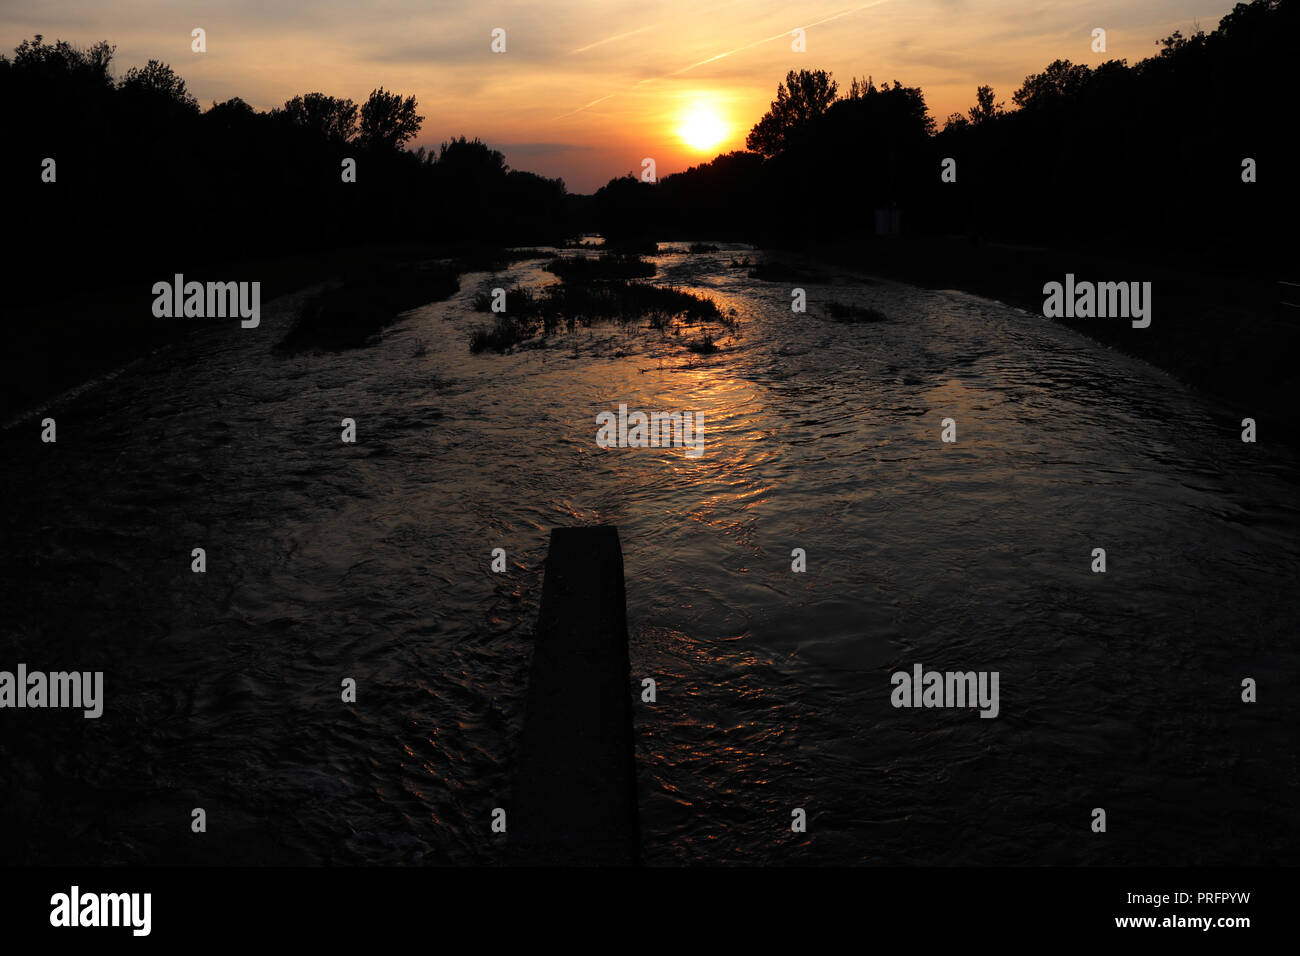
(325, 560)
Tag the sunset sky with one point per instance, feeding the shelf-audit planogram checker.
(587, 88)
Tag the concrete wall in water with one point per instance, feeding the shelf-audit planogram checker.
(575, 798)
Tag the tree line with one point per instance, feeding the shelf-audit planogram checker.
(1149, 155)
(145, 182)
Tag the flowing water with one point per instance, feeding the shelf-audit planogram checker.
(327, 560)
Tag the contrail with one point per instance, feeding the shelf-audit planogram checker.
(779, 36)
(631, 33)
(589, 105)
(620, 36)
(719, 56)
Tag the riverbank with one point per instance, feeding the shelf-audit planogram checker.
(1220, 332)
(56, 346)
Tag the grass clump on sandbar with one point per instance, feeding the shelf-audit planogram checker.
(531, 313)
(601, 268)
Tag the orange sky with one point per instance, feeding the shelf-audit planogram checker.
(587, 88)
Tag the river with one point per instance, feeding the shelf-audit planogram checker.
(328, 560)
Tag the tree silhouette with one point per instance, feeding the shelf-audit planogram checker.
(471, 157)
(803, 97)
(331, 117)
(626, 208)
(158, 82)
(985, 109)
(388, 121)
(60, 63)
(54, 95)
(1062, 81)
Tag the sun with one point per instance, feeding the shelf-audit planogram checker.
(702, 127)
